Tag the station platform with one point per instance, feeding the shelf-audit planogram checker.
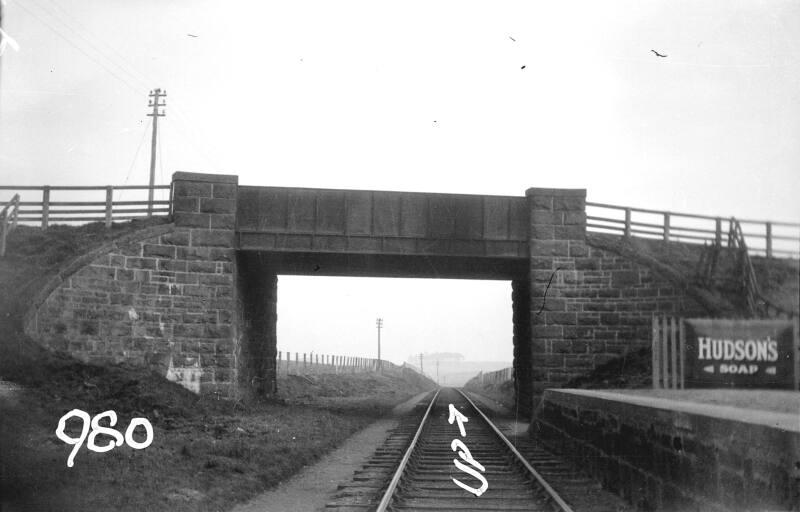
(710, 449)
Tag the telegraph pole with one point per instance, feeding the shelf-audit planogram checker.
(379, 324)
(155, 95)
(421, 370)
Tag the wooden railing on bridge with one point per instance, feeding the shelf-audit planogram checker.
(765, 238)
(781, 239)
(8, 221)
(54, 209)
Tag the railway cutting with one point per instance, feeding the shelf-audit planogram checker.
(449, 455)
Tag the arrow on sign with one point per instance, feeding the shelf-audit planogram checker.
(772, 370)
(709, 368)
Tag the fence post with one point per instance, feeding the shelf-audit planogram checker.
(666, 226)
(673, 353)
(45, 205)
(769, 240)
(664, 352)
(627, 222)
(109, 204)
(718, 237)
(3, 232)
(656, 353)
(682, 352)
(16, 211)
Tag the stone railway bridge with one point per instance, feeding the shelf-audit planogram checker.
(201, 293)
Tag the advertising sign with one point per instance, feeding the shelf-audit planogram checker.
(741, 353)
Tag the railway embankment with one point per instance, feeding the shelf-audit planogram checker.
(207, 452)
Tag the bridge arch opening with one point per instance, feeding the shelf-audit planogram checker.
(463, 324)
(261, 276)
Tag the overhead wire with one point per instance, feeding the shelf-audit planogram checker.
(135, 156)
(131, 71)
(160, 159)
(78, 48)
(135, 80)
(85, 33)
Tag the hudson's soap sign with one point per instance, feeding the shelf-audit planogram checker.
(741, 353)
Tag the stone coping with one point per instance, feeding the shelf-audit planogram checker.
(207, 178)
(781, 420)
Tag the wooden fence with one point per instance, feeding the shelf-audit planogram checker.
(55, 204)
(495, 377)
(8, 221)
(770, 239)
(669, 365)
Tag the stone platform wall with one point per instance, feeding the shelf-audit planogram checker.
(674, 457)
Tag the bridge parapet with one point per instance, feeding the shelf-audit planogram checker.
(374, 222)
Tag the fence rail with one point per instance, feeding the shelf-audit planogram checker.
(770, 239)
(8, 221)
(52, 208)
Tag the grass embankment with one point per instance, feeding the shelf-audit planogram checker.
(500, 392)
(207, 454)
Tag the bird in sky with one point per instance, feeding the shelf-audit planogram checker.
(191, 35)
(657, 54)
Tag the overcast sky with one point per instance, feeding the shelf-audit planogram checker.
(468, 97)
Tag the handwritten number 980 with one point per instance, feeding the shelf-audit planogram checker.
(96, 430)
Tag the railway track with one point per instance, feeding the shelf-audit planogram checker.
(430, 464)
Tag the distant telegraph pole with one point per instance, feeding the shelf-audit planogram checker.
(155, 95)
(379, 324)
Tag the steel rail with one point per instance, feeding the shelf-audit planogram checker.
(387, 496)
(550, 491)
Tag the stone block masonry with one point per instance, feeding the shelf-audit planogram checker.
(162, 298)
(197, 299)
(662, 454)
(588, 305)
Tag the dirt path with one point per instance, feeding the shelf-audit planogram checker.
(313, 487)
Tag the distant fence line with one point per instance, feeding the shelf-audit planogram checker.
(105, 209)
(300, 363)
(764, 238)
(495, 377)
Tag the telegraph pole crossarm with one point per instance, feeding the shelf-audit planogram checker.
(155, 96)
